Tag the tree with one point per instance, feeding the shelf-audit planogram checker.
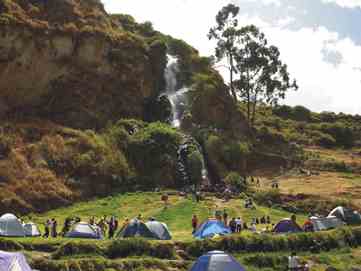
(263, 78)
(225, 34)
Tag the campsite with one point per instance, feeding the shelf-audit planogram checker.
(268, 249)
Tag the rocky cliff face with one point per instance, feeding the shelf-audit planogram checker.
(70, 62)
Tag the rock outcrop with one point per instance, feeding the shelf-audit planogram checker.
(69, 61)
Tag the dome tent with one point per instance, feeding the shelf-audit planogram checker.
(348, 216)
(136, 228)
(326, 223)
(10, 226)
(160, 230)
(216, 261)
(210, 228)
(31, 230)
(84, 230)
(13, 262)
(287, 226)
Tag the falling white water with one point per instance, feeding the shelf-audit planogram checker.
(178, 99)
(177, 96)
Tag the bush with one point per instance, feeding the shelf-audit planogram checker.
(268, 197)
(6, 142)
(139, 247)
(235, 180)
(325, 140)
(342, 133)
(10, 245)
(77, 248)
(301, 113)
(195, 166)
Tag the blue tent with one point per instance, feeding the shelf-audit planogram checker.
(136, 228)
(287, 226)
(85, 230)
(211, 227)
(217, 261)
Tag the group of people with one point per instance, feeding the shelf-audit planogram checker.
(108, 227)
(50, 228)
(236, 225)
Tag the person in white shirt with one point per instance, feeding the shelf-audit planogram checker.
(253, 228)
(293, 262)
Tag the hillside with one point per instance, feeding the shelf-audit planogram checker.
(69, 72)
(81, 113)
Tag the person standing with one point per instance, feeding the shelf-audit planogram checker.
(233, 225)
(54, 225)
(194, 223)
(47, 228)
(293, 264)
(102, 224)
(111, 227)
(239, 224)
(225, 217)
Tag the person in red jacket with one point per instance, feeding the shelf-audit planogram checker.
(194, 223)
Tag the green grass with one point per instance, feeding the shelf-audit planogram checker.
(344, 259)
(177, 215)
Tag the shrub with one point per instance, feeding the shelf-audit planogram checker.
(77, 248)
(10, 245)
(235, 180)
(342, 134)
(301, 113)
(139, 247)
(268, 197)
(325, 140)
(195, 166)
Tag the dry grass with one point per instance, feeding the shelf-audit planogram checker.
(327, 185)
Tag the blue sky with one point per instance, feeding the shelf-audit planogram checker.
(320, 40)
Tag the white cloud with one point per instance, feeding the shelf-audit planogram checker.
(345, 3)
(323, 86)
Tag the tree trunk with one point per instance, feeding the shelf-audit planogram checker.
(248, 106)
(254, 111)
(231, 79)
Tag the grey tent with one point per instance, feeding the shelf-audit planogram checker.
(160, 230)
(217, 261)
(13, 262)
(348, 216)
(10, 226)
(326, 223)
(85, 230)
(31, 230)
(136, 228)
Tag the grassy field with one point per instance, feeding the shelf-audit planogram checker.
(177, 215)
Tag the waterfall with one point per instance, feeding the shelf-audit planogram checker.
(176, 96)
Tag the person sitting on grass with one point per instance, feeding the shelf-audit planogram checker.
(92, 221)
(308, 226)
(253, 228)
